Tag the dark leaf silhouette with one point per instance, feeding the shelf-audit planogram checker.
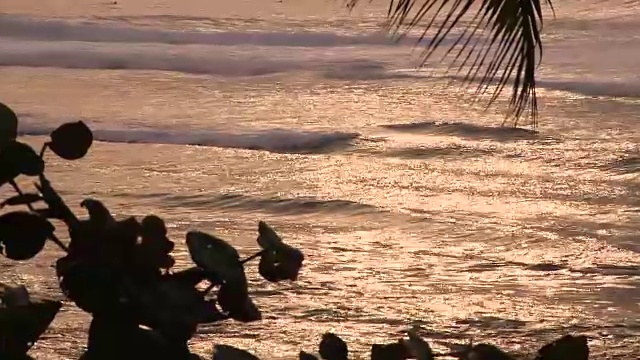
(279, 261)
(105, 246)
(155, 246)
(234, 300)
(71, 141)
(104, 239)
(267, 268)
(485, 352)
(118, 336)
(22, 199)
(8, 125)
(21, 324)
(118, 242)
(14, 296)
(23, 234)
(333, 347)
(274, 271)
(99, 215)
(268, 239)
(567, 347)
(192, 276)
(216, 256)
(210, 313)
(94, 288)
(16, 159)
(169, 306)
(417, 347)
(228, 352)
(393, 351)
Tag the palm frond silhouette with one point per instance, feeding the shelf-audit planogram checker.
(498, 45)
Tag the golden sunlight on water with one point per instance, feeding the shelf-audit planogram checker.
(411, 206)
(468, 232)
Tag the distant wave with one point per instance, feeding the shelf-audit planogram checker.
(273, 140)
(20, 27)
(467, 130)
(188, 59)
(629, 87)
(67, 44)
(297, 205)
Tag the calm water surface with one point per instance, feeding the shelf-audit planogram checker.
(411, 206)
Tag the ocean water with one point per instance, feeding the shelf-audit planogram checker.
(412, 206)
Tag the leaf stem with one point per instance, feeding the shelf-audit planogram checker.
(43, 149)
(53, 237)
(258, 254)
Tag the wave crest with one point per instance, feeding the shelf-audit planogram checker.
(20, 27)
(273, 140)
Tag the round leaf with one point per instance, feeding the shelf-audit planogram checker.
(418, 347)
(567, 347)
(18, 158)
(303, 355)
(235, 301)
(71, 141)
(333, 347)
(268, 238)
(23, 234)
(487, 351)
(94, 288)
(226, 352)
(155, 246)
(153, 226)
(216, 256)
(8, 124)
(271, 270)
(15, 296)
(395, 350)
(23, 325)
(170, 305)
(279, 261)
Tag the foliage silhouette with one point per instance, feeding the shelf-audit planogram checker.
(567, 347)
(23, 234)
(332, 347)
(8, 125)
(22, 320)
(71, 141)
(227, 352)
(392, 351)
(119, 271)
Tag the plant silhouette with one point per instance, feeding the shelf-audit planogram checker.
(332, 347)
(118, 271)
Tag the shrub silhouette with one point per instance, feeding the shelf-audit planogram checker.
(119, 271)
(332, 347)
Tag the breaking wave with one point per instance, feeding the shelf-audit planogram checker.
(273, 140)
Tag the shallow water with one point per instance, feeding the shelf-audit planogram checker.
(411, 206)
